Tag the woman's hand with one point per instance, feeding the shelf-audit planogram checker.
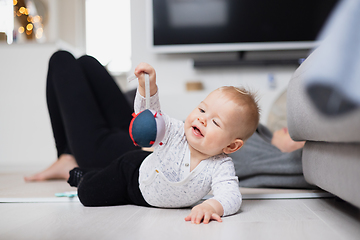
(282, 140)
(206, 211)
(139, 72)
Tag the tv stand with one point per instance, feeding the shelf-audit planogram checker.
(241, 60)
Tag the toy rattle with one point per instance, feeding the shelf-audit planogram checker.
(147, 128)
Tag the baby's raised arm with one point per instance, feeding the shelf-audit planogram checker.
(139, 73)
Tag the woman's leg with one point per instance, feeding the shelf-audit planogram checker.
(115, 111)
(113, 105)
(115, 185)
(66, 161)
(55, 115)
(93, 136)
(88, 112)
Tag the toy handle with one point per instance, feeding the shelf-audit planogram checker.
(147, 90)
(147, 87)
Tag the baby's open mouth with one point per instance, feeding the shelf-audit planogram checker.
(197, 131)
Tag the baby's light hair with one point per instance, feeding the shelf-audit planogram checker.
(248, 103)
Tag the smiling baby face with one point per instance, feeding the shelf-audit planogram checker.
(209, 128)
(222, 122)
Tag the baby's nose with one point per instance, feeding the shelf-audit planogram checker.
(202, 121)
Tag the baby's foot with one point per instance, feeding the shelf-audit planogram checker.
(58, 170)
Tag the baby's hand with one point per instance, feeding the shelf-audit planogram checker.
(139, 73)
(203, 211)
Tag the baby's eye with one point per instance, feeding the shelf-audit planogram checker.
(216, 123)
(201, 110)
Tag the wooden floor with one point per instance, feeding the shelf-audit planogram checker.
(323, 218)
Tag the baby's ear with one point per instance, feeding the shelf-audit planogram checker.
(234, 146)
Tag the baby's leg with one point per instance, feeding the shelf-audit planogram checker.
(115, 185)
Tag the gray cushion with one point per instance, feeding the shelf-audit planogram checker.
(334, 167)
(306, 123)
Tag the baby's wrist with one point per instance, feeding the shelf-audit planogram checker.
(216, 205)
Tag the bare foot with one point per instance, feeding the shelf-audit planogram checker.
(58, 170)
(282, 140)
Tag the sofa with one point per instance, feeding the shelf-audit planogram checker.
(331, 155)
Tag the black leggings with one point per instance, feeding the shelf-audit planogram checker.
(116, 184)
(89, 114)
(90, 119)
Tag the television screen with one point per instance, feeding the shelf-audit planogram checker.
(235, 25)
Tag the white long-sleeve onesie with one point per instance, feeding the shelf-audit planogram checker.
(165, 178)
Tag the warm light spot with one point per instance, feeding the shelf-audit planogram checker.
(15, 2)
(30, 19)
(27, 11)
(21, 29)
(28, 32)
(36, 19)
(18, 13)
(22, 10)
(29, 27)
(39, 34)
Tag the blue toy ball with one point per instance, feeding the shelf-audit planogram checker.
(147, 128)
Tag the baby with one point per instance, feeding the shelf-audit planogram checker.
(190, 161)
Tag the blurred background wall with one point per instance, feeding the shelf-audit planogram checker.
(26, 140)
